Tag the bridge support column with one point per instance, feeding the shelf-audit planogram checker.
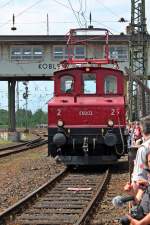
(11, 106)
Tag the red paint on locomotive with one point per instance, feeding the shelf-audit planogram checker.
(72, 107)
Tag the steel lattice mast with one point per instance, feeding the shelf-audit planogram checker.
(138, 59)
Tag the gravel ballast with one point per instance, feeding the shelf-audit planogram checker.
(22, 173)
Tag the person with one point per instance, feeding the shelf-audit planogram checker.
(144, 197)
(138, 170)
(141, 152)
(135, 139)
(137, 134)
(142, 184)
(130, 134)
(140, 177)
(144, 221)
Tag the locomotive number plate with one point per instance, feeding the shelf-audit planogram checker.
(86, 113)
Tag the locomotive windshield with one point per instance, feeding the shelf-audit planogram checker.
(110, 85)
(89, 83)
(67, 84)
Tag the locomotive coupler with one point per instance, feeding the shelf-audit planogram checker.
(85, 145)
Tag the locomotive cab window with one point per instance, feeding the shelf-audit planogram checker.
(89, 83)
(110, 85)
(67, 84)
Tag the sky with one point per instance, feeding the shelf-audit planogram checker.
(31, 19)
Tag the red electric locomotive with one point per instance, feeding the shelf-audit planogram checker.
(86, 116)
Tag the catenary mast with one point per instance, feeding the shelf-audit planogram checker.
(138, 99)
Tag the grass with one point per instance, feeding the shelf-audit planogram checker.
(3, 126)
(5, 142)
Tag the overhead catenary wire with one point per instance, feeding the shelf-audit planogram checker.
(87, 19)
(33, 5)
(5, 4)
(112, 12)
(74, 12)
(38, 91)
(60, 3)
(85, 7)
(83, 14)
(77, 14)
(80, 3)
(23, 11)
(30, 7)
(109, 9)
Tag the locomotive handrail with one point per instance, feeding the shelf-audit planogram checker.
(90, 28)
(72, 32)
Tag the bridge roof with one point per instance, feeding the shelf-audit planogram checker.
(41, 39)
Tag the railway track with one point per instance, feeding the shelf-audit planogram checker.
(69, 198)
(22, 147)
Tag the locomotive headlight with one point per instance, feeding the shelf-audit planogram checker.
(87, 69)
(110, 123)
(60, 123)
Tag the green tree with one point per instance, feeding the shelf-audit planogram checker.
(3, 117)
(39, 117)
(22, 118)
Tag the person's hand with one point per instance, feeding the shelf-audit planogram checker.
(127, 187)
(133, 221)
(142, 183)
(139, 195)
(138, 142)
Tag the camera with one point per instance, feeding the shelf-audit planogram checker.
(136, 212)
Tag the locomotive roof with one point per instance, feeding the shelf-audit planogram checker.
(83, 68)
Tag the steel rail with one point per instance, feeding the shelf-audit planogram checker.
(67, 194)
(93, 201)
(4, 216)
(21, 148)
(21, 144)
